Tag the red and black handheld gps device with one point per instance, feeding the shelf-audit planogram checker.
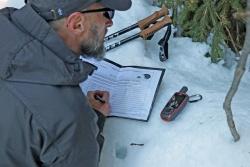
(175, 105)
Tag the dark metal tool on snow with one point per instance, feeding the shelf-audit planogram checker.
(177, 102)
(148, 27)
(163, 54)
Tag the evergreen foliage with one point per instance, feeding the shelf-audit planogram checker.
(200, 19)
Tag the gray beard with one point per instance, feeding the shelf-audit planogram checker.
(93, 48)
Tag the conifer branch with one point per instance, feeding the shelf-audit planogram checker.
(230, 35)
(198, 19)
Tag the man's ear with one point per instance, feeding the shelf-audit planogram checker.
(75, 23)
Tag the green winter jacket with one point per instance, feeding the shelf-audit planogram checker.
(45, 119)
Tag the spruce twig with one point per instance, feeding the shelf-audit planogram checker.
(231, 39)
(241, 15)
(230, 35)
(237, 32)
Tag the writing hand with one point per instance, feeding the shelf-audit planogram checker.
(99, 100)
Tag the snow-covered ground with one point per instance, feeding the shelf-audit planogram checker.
(199, 136)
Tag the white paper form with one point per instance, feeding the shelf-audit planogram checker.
(132, 89)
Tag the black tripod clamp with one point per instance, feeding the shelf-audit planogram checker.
(163, 54)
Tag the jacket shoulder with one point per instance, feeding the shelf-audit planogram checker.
(7, 11)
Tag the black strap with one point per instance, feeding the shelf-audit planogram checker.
(195, 98)
(100, 123)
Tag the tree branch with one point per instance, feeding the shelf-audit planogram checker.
(240, 69)
(241, 15)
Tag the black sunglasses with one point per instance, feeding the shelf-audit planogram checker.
(107, 12)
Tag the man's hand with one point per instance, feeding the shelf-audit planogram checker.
(99, 100)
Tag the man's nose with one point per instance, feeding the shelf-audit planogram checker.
(109, 23)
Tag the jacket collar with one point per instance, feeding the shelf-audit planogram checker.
(33, 26)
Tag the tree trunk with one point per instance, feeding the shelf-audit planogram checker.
(240, 69)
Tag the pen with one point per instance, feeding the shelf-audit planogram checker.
(97, 97)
